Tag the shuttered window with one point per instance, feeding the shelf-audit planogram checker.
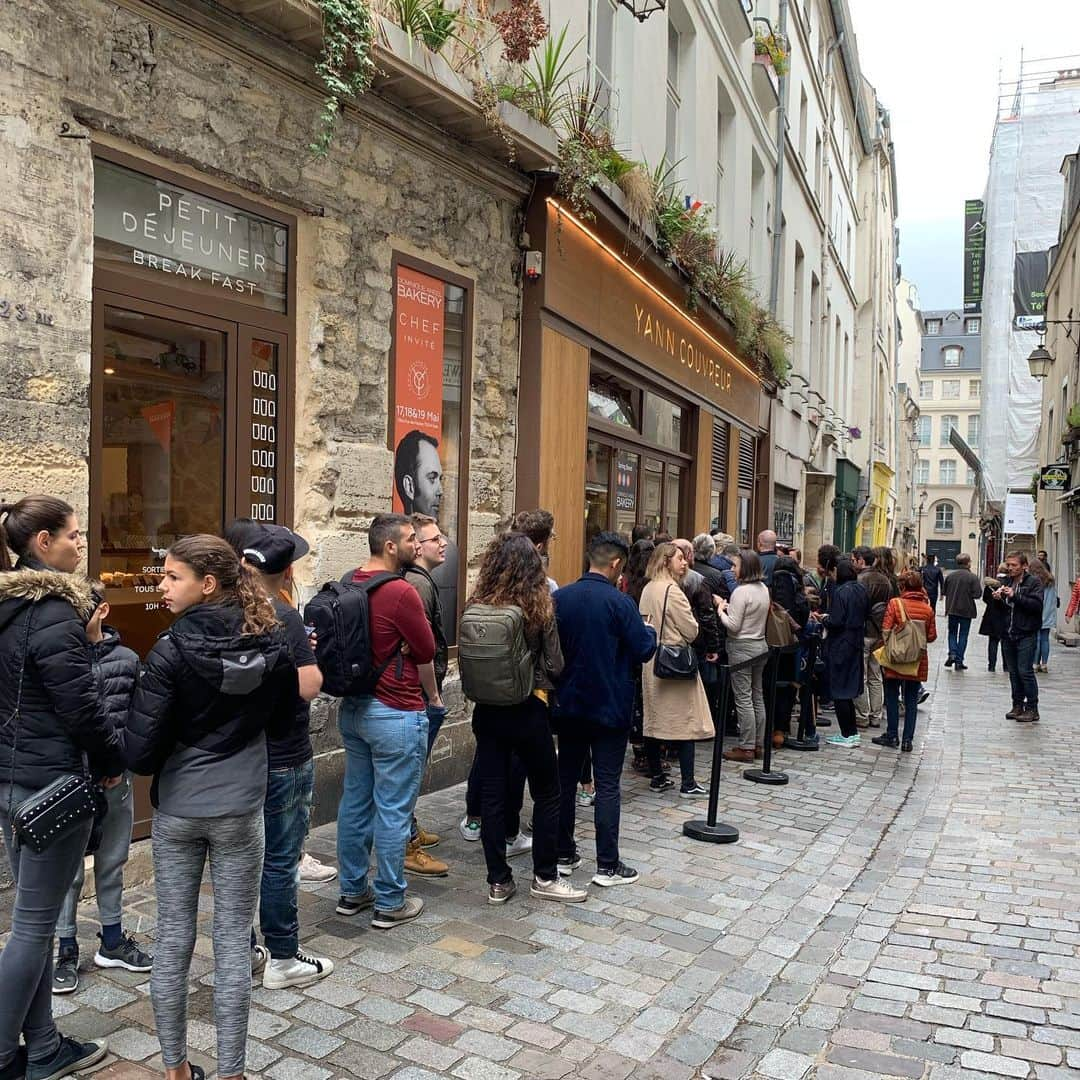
(746, 461)
(719, 455)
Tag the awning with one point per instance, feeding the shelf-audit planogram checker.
(1069, 496)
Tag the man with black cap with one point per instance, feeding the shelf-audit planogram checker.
(271, 550)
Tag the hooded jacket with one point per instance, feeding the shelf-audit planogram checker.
(116, 671)
(205, 700)
(61, 718)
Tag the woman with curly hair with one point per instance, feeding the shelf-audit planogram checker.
(215, 683)
(512, 575)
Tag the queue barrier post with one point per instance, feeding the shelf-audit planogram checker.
(709, 830)
(765, 775)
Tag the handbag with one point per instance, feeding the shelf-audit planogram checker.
(780, 628)
(900, 643)
(673, 661)
(51, 813)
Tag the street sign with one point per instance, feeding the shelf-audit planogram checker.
(1054, 478)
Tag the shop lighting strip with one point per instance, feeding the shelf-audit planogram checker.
(652, 288)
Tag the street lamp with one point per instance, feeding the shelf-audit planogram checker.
(642, 9)
(923, 496)
(1040, 362)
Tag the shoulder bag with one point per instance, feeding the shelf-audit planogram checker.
(54, 811)
(673, 661)
(904, 644)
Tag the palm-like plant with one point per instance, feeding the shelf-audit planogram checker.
(546, 83)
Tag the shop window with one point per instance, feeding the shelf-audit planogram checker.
(597, 485)
(613, 401)
(627, 470)
(663, 422)
(429, 377)
(672, 498)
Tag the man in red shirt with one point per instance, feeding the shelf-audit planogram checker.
(385, 736)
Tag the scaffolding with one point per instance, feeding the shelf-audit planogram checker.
(1037, 124)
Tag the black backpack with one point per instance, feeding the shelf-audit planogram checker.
(340, 612)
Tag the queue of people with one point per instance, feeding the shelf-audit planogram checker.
(636, 653)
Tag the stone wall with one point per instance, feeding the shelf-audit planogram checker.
(198, 103)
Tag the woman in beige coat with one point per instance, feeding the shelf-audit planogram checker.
(676, 710)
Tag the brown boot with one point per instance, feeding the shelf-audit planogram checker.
(426, 839)
(737, 753)
(418, 861)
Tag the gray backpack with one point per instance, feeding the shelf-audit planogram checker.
(496, 664)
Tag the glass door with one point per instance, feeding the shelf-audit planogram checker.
(623, 488)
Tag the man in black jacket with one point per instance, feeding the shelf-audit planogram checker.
(933, 579)
(870, 706)
(1023, 596)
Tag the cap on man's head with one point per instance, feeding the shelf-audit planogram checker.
(273, 548)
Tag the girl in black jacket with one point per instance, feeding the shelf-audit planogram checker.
(215, 683)
(50, 724)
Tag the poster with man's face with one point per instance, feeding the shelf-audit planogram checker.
(418, 392)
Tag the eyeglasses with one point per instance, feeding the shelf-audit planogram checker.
(440, 539)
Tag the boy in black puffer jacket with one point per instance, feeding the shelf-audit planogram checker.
(116, 669)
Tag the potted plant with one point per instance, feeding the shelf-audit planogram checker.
(771, 48)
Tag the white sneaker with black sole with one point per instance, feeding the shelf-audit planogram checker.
(619, 875)
(568, 866)
(298, 970)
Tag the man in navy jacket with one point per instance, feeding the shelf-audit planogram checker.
(603, 640)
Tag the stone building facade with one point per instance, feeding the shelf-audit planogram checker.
(192, 99)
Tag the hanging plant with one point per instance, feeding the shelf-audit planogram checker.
(522, 27)
(345, 66)
(774, 46)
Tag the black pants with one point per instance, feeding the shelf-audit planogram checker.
(522, 731)
(578, 739)
(514, 800)
(845, 716)
(806, 711)
(686, 757)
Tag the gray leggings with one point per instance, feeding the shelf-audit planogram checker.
(235, 847)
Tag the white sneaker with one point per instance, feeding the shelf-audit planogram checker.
(260, 956)
(559, 890)
(313, 871)
(470, 830)
(518, 845)
(298, 970)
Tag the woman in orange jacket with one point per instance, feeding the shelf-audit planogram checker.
(912, 603)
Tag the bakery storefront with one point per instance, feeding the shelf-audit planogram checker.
(632, 409)
(190, 375)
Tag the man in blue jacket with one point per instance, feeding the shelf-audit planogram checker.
(603, 640)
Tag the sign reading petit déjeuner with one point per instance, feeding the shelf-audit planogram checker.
(147, 223)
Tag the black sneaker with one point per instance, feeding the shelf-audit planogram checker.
(618, 875)
(70, 1057)
(960, 665)
(661, 783)
(65, 978)
(694, 791)
(126, 955)
(924, 696)
(891, 741)
(353, 905)
(950, 662)
(568, 866)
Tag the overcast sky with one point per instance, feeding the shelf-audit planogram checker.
(936, 64)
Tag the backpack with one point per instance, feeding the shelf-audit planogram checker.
(341, 615)
(780, 628)
(497, 666)
(904, 644)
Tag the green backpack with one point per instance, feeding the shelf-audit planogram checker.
(496, 664)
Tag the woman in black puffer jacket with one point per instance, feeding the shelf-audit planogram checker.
(45, 732)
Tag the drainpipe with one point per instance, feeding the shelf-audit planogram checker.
(778, 190)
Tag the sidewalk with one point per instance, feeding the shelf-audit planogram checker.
(882, 915)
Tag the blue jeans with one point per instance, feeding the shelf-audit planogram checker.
(286, 814)
(384, 762)
(1019, 658)
(436, 717)
(577, 738)
(910, 690)
(959, 628)
(26, 964)
(1044, 645)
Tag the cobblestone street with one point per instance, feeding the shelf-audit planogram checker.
(883, 915)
